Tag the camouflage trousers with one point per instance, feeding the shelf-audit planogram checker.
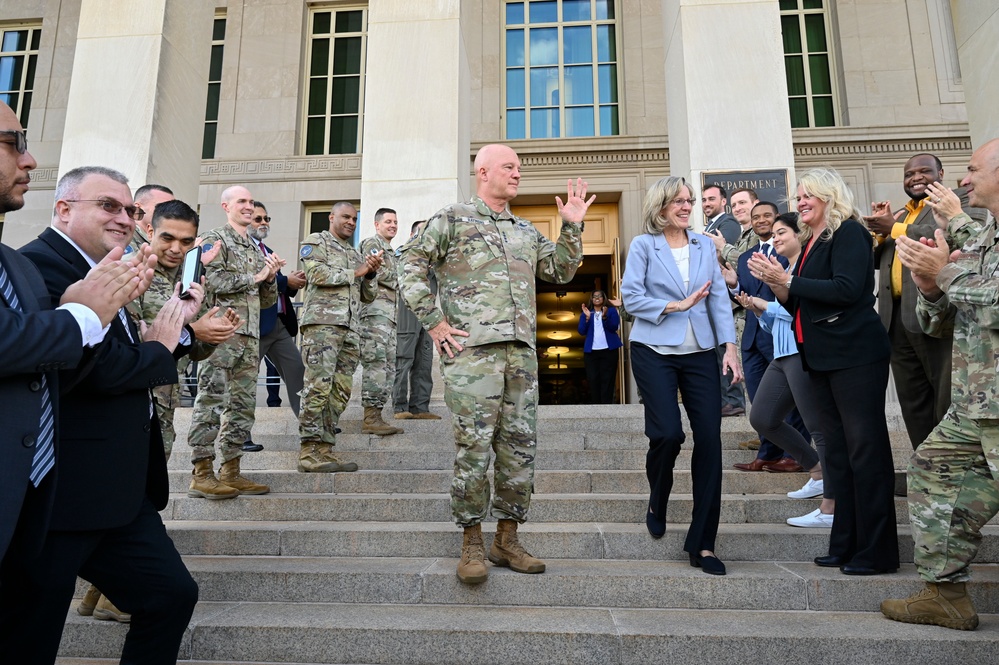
(953, 480)
(378, 347)
(330, 355)
(492, 392)
(167, 401)
(227, 397)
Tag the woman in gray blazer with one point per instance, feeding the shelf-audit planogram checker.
(674, 289)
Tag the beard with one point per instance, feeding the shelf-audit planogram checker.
(257, 233)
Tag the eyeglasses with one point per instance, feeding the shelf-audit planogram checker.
(259, 219)
(680, 202)
(112, 207)
(20, 141)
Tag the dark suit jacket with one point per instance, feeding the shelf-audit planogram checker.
(32, 342)
(923, 226)
(753, 332)
(111, 451)
(833, 289)
(270, 316)
(728, 226)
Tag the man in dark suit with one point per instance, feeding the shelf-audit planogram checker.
(278, 323)
(110, 438)
(920, 363)
(717, 220)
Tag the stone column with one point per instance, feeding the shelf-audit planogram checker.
(416, 131)
(138, 91)
(976, 28)
(721, 56)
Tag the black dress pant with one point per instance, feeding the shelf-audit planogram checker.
(696, 376)
(851, 417)
(601, 374)
(136, 566)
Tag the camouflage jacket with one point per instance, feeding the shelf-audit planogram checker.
(730, 253)
(388, 279)
(152, 301)
(486, 263)
(970, 306)
(333, 295)
(138, 238)
(229, 279)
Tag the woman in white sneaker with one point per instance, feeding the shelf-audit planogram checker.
(785, 385)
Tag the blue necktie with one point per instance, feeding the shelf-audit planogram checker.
(44, 458)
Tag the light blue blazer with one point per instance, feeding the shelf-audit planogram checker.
(651, 280)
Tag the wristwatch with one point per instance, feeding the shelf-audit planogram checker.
(787, 284)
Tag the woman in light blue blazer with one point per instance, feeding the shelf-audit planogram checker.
(674, 289)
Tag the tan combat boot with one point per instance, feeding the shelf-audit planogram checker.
(326, 450)
(944, 604)
(106, 611)
(507, 550)
(204, 484)
(373, 423)
(89, 602)
(229, 475)
(472, 567)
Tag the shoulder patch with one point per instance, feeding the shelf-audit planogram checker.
(305, 251)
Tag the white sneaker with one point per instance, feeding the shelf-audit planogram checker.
(809, 490)
(814, 519)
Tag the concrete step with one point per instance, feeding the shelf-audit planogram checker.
(545, 482)
(621, 508)
(467, 635)
(574, 540)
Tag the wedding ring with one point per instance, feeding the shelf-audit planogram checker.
(936, 200)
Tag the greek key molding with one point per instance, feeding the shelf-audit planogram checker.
(45, 177)
(319, 167)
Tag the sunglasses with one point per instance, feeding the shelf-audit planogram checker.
(20, 141)
(259, 219)
(112, 207)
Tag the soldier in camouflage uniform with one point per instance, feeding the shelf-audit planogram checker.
(243, 279)
(486, 261)
(339, 279)
(954, 474)
(146, 199)
(378, 340)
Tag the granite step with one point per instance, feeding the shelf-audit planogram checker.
(573, 540)
(472, 634)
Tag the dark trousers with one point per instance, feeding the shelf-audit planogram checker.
(730, 394)
(921, 367)
(601, 374)
(136, 566)
(851, 415)
(698, 380)
(754, 366)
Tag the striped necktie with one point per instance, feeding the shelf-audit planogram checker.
(44, 458)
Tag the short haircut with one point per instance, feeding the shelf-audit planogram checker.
(69, 183)
(175, 209)
(936, 160)
(342, 204)
(751, 192)
(721, 190)
(146, 189)
(381, 212)
(657, 198)
(412, 229)
(766, 203)
(259, 204)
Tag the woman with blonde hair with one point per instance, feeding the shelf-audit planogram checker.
(674, 289)
(845, 349)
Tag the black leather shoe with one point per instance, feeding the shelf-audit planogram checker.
(250, 447)
(337, 430)
(829, 561)
(848, 569)
(655, 526)
(712, 565)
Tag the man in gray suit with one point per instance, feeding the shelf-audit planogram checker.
(414, 359)
(920, 363)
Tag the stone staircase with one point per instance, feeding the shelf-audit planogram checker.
(360, 567)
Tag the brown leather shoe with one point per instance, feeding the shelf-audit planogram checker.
(729, 410)
(783, 465)
(756, 465)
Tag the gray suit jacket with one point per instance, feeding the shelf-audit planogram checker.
(728, 226)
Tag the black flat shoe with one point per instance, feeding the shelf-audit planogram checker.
(712, 565)
(655, 526)
(848, 569)
(829, 561)
(250, 447)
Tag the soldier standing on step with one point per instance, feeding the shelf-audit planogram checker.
(952, 477)
(486, 261)
(339, 279)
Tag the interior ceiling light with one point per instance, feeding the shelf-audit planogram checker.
(559, 335)
(559, 314)
(558, 366)
(558, 350)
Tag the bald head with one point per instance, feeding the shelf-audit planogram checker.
(982, 180)
(237, 202)
(497, 174)
(14, 166)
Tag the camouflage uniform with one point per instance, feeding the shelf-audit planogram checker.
(730, 253)
(378, 333)
(227, 381)
(954, 474)
(148, 306)
(486, 263)
(138, 240)
(330, 325)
